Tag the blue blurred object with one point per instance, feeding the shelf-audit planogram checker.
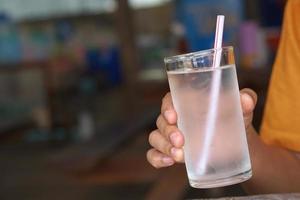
(199, 19)
(113, 64)
(10, 43)
(4, 18)
(93, 59)
(105, 61)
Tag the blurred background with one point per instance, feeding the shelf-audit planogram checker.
(81, 82)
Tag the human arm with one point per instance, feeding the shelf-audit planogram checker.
(275, 169)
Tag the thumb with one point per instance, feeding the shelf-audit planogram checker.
(248, 102)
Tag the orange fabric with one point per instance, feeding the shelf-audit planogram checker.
(281, 122)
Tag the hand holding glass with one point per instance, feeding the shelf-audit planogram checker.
(206, 99)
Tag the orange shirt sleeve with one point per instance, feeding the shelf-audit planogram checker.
(281, 121)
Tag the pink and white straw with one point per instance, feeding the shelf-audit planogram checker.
(214, 96)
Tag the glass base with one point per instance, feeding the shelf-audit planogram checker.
(223, 181)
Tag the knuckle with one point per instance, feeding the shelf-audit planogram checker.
(158, 121)
(164, 128)
(167, 149)
(152, 137)
(152, 159)
(148, 155)
(166, 97)
(168, 130)
(165, 101)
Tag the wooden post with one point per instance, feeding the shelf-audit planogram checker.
(126, 33)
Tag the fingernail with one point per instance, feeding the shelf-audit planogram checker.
(168, 161)
(174, 137)
(247, 97)
(176, 153)
(168, 115)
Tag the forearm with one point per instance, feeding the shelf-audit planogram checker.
(274, 169)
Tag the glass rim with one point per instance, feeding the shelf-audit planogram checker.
(188, 56)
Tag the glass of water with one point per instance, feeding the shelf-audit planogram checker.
(207, 101)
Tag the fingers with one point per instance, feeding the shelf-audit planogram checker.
(167, 141)
(161, 144)
(167, 109)
(158, 159)
(248, 100)
(170, 132)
